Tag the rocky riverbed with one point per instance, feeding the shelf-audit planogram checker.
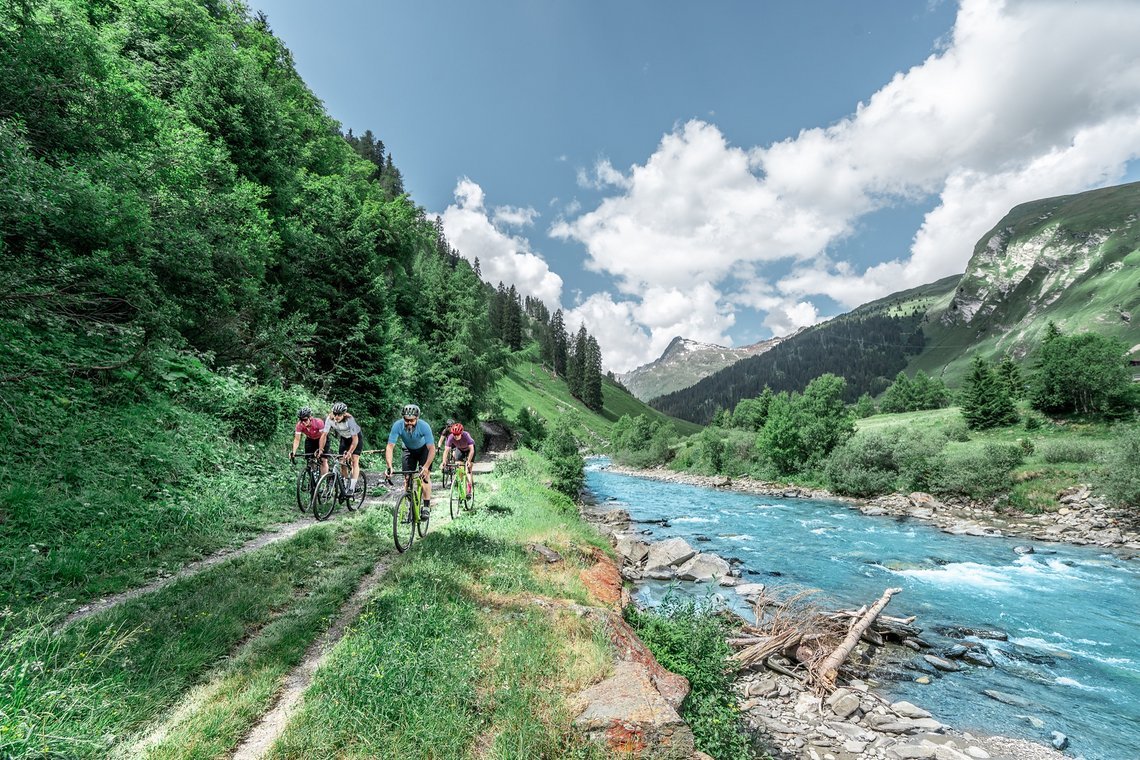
(1082, 518)
(852, 723)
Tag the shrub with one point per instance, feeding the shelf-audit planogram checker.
(688, 637)
(957, 430)
(259, 416)
(977, 474)
(863, 466)
(918, 454)
(1121, 480)
(514, 466)
(1056, 452)
(566, 462)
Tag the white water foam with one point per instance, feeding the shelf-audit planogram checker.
(693, 520)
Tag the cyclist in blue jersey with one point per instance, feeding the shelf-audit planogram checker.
(419, 448)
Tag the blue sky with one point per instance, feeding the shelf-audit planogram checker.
(726, 171)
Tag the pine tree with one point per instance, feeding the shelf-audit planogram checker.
(559, 344)
(576, 371)
(984, 398)
(1011, 377)
(513, 320)
(592, 375)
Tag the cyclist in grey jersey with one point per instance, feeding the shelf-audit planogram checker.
(351, 438)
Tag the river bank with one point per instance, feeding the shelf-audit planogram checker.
(852, 723)
(1082, 518)
(1037, 645)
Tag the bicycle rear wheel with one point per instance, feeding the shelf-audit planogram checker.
(305, 482)
(453, 502)
(448, 476)
(325, 495)
(403, 526)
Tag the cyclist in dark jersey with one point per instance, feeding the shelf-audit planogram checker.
(461, 444)
(419, 444)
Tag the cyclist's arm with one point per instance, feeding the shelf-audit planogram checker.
(431, 457)
(446, 451)
(296, 443)
(324, 437)
(471, 457)
(388, 455)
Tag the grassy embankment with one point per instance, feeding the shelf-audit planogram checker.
(1058, 455)
(451, 657)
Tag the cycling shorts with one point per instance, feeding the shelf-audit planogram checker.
(312, 446)
(345, 443)
(414, 459)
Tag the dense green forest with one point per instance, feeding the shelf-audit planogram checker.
(866, 351)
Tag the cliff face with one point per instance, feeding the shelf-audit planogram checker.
(683, 363)
(1072, 260)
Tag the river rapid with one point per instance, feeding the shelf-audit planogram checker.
(1071, 613)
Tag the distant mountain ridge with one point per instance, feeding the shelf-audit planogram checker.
(683, 363)
(1073, 260)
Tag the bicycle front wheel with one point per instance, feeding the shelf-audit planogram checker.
(324, 495)
(422, 523)
(305, 482)
(470, 503)
(356, 500)
(453, 500)
(403, 523)
(448, 476)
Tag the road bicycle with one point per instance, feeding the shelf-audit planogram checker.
(332, 489)
(462, 495)
(407, 514)
(448, 472)
(307, 478)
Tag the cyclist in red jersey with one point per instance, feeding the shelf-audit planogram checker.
(460, 444)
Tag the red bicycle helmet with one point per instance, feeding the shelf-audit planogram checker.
(457, 429)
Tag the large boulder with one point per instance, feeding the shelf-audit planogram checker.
(632, 549)
(703, 567)
(667, 554)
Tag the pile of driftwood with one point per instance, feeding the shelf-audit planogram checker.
(794, 637)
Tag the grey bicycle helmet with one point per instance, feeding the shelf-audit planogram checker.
(304, 413)
(450, 422)
(410, 410)
(339, 408)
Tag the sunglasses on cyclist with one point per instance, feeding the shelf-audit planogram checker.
(409, 422)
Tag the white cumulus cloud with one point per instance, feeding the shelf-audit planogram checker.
(502, 256)
(1024, 99)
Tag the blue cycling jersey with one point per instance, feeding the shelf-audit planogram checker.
(416, 438)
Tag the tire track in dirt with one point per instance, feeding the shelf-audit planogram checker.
(259, 740)
(279, 532)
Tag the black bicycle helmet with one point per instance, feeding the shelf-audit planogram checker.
(410, 410)
(304, 413)
(339, 408)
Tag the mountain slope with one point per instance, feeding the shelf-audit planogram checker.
(527, 384)
(867, 347)
(683, 363)
(1073, 260)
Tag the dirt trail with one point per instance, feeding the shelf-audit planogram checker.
(277, 533)
(273, 723)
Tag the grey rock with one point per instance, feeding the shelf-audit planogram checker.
(1023, 550)
(979, 657)
(942, 664)
(977, 752)
(667, 554)
(908, 710)
(1009, 699)
(632, 549)
(750, 589)
(1060, 741)
(703, 567)
(845, 705)
(910, 751)
(949, 753)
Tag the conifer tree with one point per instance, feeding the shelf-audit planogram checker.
(592, 375)
(559, 344)
(984, 398)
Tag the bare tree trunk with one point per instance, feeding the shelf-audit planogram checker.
(828, 670)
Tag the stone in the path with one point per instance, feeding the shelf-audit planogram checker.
(667, 554)
(845, 705)
(545, 552)
(703, 567)
(1009, 699)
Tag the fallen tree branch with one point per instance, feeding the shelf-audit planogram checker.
(827, 672)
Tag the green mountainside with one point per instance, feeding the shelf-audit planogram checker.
(529, 385)
(1073, 260)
